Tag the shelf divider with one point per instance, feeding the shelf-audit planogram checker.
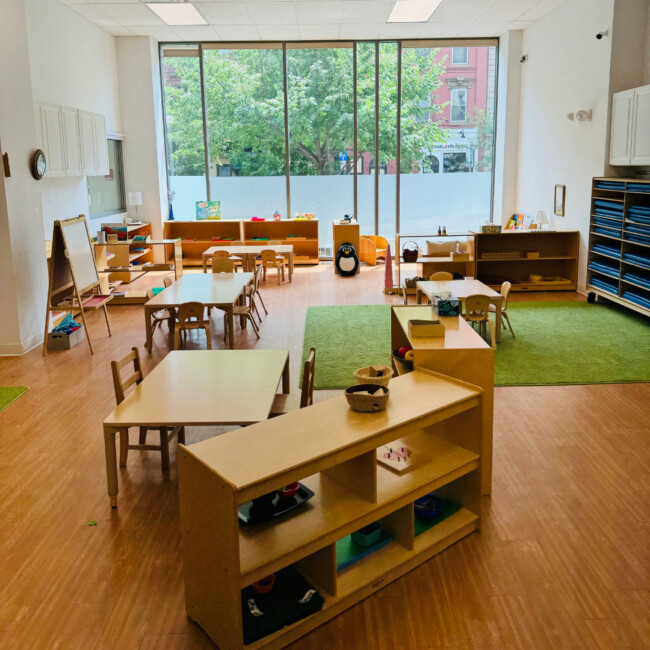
(359, 474)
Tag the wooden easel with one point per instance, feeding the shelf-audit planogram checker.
(73, 284)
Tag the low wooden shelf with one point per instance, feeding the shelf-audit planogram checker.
(332, 450)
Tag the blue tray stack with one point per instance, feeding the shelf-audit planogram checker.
(619, 242)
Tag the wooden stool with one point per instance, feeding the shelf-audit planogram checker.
(121, 385)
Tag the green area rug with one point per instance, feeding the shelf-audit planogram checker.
(557, 343)
(9, 394)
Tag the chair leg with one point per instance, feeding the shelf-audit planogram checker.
(164, 448)
(177, 337)
(208, 335)
(181, 435)
(124, 446)
(277, 268)
(492, 339)
(225, 327)
(259, 295)
(143, 436)
(264, 272)
(507, 320)
(255, 328)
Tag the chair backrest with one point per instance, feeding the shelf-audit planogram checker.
(274, 242)
(191, 310)
(477, 307)
(268, 256)
(236, 243)
(220, 255)
(222, 265)
(307, 395)
(505, 292)
(441, 276)
(167, 281)
(256, 278)
(120, 385)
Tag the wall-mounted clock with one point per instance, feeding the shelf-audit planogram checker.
(39, 164)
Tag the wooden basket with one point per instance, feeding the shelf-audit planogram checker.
(372, 403)
(370, 375)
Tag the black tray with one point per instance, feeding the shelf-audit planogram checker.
(279, 507)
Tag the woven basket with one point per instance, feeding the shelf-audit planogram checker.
(410, 254)
(368, 375)
(367, 403)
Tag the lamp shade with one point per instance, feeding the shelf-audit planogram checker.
(135, 198)
(542, 217)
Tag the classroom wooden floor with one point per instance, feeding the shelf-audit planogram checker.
(562, 561)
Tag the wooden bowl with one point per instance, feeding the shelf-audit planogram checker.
(289, 490)
(364, 403)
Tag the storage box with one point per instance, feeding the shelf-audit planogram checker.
(460, 256)
(532, 255)
(446, 306)
(63, 341)
(491, 228)
(426, 329)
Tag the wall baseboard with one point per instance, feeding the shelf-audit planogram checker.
(18, 349)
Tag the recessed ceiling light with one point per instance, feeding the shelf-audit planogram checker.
(177, 13)
(413, 11)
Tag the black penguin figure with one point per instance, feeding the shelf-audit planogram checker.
(347, 260)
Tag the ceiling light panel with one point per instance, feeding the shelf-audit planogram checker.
(413, 11)
(177, 13)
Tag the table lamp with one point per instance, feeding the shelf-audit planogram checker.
(135, 198)
(542, 220)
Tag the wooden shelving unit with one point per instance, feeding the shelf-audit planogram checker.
(557, 257)
(121, 256)
(627, 239)
(332, 450)
(343, 232)
(461, 354)
(197, 236)
(301, 233)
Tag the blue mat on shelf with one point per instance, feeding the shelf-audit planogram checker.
(636, 219)
(609, 233)
(643, 209)
(602, 212)
(638, 230)
(637, 259)
(610, 185)
(602, 267)
(639, 187)
(604, 285)
(636, 298)
(637, 279)
(609, 205)
(637, 239)
(606, 223)
(607, 250)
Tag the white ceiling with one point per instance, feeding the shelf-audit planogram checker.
(266, 20)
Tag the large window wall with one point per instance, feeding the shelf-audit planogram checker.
(400, 134)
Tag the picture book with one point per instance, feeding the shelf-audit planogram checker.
(210, 210)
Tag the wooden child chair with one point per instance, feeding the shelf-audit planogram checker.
(238, 262)
(253, 291)
(121, 385)
(191, 316)
(163, 315)
(222, 264)
(283, 403)
(441, 276)
(241, 310)
(477, 310)
(505, 292)
(271, 260)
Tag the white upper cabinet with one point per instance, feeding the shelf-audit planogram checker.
(101, 145)
(53, 140)
(74, 141)
(630, 128)
(87, 140)
(640, 138)
(70, 123)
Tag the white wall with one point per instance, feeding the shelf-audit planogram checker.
(23, 269)
(567, 70)
(72, 63)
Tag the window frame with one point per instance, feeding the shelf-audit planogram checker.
(119, 165)
(455, 49)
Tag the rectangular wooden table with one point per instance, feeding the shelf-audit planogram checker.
(199, 388)
(220, 290)
(249, 253)
(461, 289)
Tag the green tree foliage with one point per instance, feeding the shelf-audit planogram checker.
(484, 124)
(244, 95)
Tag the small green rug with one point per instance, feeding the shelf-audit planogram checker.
(9, 394)
(346, 338)
(557, 343)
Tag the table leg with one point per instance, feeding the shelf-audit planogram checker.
(290, 266)
(241, 301)
(497, 321)
(147, 328)
(286, 383)
(111, 465)
(205, 264)
(418, 295)
(231, 327)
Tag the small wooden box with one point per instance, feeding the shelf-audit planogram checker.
(532, 255)
(460, 256)
(426, 329)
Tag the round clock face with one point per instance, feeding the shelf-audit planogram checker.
(40, 164)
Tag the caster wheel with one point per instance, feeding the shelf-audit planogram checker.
(591, 297)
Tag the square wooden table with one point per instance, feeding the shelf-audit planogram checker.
(461, 289)
(220, 290)
(249, 253)
(198, 388)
